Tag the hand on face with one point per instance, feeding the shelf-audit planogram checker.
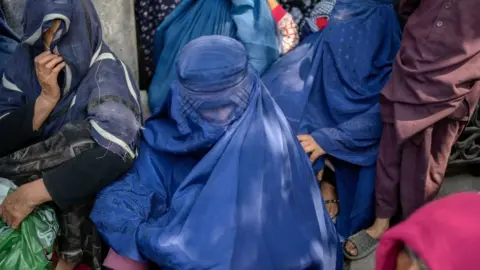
(311, 147)
(47, 67)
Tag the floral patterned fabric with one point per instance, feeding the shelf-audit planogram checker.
(310, 15)
(300, 9)
(149, 15)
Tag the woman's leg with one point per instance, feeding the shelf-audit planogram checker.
(79, 241)
(64, 265)
(386, 186)
(329, 192)
(425, 167)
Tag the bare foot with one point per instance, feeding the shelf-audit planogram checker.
(379, 227)
(330, 197)
(64, 265)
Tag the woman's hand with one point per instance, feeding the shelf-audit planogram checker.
(47, 67)
(311, 147)
(21, 203)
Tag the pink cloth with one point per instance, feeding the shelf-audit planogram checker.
(117, 262)
(445, 234)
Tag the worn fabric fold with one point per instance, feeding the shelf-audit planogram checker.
(221, 181)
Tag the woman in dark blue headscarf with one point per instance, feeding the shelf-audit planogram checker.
(220, 183)
(328, 88)
(69, 120)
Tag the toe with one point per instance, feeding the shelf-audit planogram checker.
(351, 249)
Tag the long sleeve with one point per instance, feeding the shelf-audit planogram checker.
(16, 129)
(287, 29)
(83, 176)
(355, 141)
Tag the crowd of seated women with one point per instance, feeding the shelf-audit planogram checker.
(283, 135)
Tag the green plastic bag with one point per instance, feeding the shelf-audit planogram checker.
(30, 247)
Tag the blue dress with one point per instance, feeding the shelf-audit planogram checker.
(329, 87)
(221, 182)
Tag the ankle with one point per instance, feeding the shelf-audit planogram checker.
(382, 223)
(64, 265)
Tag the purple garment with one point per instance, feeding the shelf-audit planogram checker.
(96, 86)
(411, 174)
(436, 70)
(434, 89)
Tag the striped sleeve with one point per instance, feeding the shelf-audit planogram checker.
(114, 108)
(287, 28)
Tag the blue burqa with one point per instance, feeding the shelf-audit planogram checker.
(8, 41)
(96, 87)
(220, 183)
(329, 87)
(249, 21)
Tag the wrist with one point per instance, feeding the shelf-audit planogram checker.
(37, 193)
(44, 105)
(48, 100)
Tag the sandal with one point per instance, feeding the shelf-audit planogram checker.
(364, 243)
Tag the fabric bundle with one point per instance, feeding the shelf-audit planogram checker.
(329, 87)
(250, 21)
(220, 183)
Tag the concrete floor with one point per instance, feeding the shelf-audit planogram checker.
(451, 185)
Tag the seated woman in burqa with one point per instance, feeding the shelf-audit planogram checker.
(328, 88)
(69, 121)
(221, 181)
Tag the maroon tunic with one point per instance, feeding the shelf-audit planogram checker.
(434, 89)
